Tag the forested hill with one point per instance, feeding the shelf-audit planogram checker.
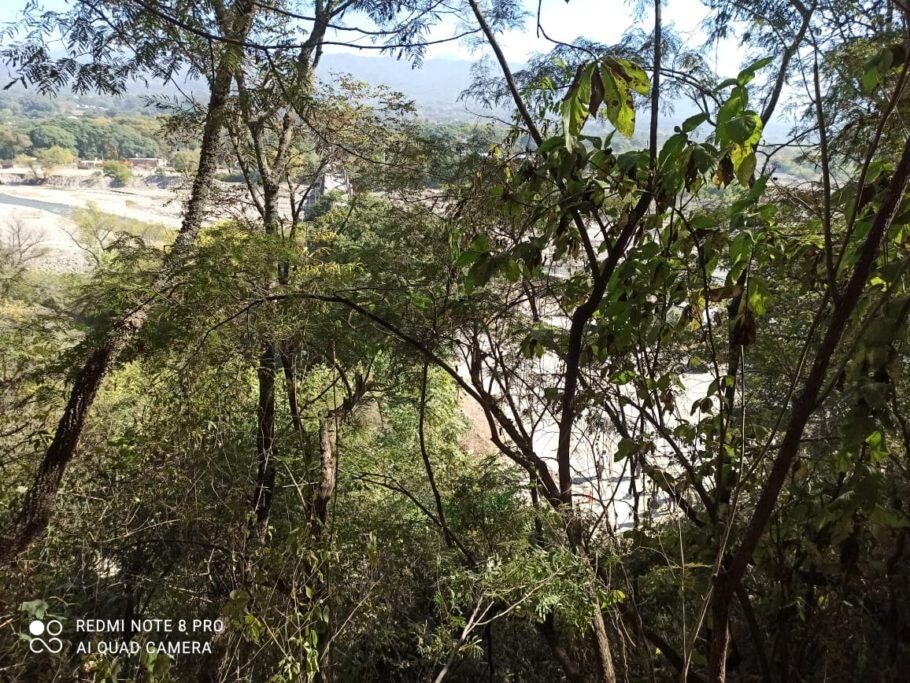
(434, 86)
(437, 87)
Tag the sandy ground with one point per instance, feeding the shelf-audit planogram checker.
(143, 203)
(151, 205)
(45, 237)
(49, 229)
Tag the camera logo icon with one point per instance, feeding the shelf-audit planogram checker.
(51, 628)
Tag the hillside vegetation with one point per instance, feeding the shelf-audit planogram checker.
(570, 395)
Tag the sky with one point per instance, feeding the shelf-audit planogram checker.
(600, 20)
(603, 21)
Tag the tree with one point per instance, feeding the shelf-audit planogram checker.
(36, 508)
(48, 135)
(20, 247)
(597, 301)
(229, 31)
(289, 133)
(565, 399)
(12, 144)
(184, 161)
(52, 158)
(118, 172)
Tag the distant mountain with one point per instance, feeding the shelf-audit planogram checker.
(434, 86)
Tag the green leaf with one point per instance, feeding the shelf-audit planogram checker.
(672, 147)
(693, 122)
(739, 129)
(512, 270)
(633, 74)
(481, 243)
(703, 222)
(741, 247)
(870, 79)
(529, 253)
(466, 258)
(37, 609)
(550, 144)
(574, 107)
(749, 72)
(877, 67)
(759, 295)
(481, 272)
(746, 168)
(618, 101)
(625, 448)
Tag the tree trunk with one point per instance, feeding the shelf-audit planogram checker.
(720, 629)
(604, 659)
(547, 629)
(38, 504)
(322, 498)
(265, 439)
(265, 406)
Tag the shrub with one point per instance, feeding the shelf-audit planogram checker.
(118, 172)
(185, 161)
(51, 158)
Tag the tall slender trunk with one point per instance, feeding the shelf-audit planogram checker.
(319, 501)
(568, 664)
(655, 87)
(289, 364)
(323, 493)
(723, 593)
(322, 498)
(265, 439)
(265, 406)
(37, 506)
(604, 658)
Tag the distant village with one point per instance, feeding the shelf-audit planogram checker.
(136, 163)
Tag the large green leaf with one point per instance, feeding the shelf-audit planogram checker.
(618, 103)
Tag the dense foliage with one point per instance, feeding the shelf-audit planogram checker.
(538, 401)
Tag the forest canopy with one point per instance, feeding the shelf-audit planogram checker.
(572, 395)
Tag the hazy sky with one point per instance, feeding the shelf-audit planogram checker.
(601, 20)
